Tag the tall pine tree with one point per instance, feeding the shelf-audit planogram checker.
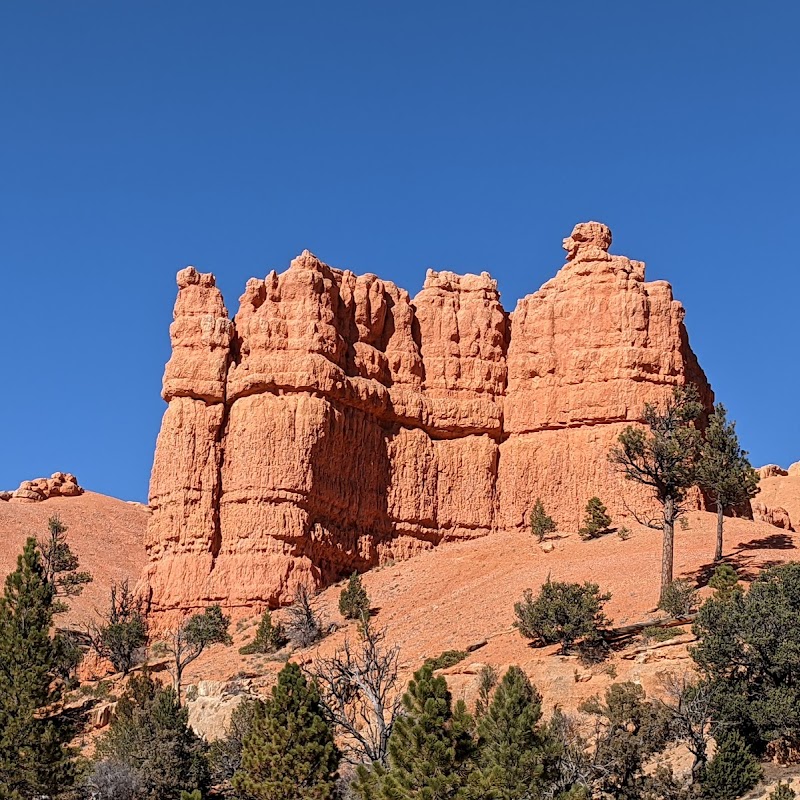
(516, 754)
(290, 753)
(724, 470)
(430, 747)
(34, 758)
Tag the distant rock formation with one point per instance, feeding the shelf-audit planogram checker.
(59, 484)
(336, 423)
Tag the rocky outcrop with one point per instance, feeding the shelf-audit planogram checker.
(772, 515)
(771, 471)
(336, 423)
(59, 484)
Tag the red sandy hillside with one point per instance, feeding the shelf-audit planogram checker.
(106, 534)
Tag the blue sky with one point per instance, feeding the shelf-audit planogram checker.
(141, 137)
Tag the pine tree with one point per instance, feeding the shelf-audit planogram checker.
(150, 735)
(430, 747)
(353, 601)
(724, 470)
(663, 458)
(60, 564)
(290, 753)
(516, 754)
(541, 524)
(596, 519)
(732, 771)
(269, 637)
(783, 791)
(34, 757)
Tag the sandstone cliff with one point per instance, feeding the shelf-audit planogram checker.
(336, 423)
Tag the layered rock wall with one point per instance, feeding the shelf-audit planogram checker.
(335, 423)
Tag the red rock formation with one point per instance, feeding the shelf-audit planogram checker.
(336, 423)
(59, 484)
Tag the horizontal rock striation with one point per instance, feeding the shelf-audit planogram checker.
(336, 423)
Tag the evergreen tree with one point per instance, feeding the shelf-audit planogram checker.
(34, 757)
(61, 564)
(596, 519)
(663, 458)
(269, 637)
(724, 581)
(732, 771)
(783, 791)
(290, 753)
(353, 601)
(516, 754)
(541, 524)
(150, 736)
(724, 470)
(430, 747)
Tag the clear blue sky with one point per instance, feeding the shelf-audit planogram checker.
(138, 137)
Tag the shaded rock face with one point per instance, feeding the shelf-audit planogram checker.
(336, 423)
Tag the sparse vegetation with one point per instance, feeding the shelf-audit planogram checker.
(123, 633)
(562, 612)
(353, 601)
(192, 637)
(304, 625)
(596, 521)
(449, 658)
(269, 637)
(541, 524)
(656, 633)
(679, 598)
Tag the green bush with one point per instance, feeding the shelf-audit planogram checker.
(733, 770)
(596, 521)
(725, 581)
(562, 612)
(679, 598)
(353, 601)
(541, 524)
(655, 633)
(447, 659)
(268, 638)
(783, 791)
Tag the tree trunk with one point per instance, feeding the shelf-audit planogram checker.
(668, 545)
(720, 523)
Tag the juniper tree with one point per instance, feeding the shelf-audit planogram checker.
(34, 757)
(596, 519)
(541, 523)
(732, 771)
(663, 457)
(353, 601)
(724, 470)
(516, 754)
(290, 753)
(150, 736)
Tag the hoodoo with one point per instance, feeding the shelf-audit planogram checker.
(336, 423)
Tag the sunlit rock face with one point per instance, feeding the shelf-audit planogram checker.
(335, 423)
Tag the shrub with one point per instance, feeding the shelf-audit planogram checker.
(624, 533)
(596, 521)
(353, 601)
(678, 599)
(448, 658)
(111, 780)
(268, 638)
(304, 626)
(541, 524)
(655, 633)
(562, 612)
(732, 771)
(725, 581)
(783, 791)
